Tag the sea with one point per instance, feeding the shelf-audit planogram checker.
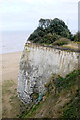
(13, 41)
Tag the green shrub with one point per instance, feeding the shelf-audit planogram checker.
(50, 38)
(49, 31)
(61, 41)
(76, 37)
(72, 110)
(68, 81)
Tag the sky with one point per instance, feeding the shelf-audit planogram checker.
(23, 15)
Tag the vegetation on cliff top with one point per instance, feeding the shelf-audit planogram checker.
(60, 101)
(50, 30)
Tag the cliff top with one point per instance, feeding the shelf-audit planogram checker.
(49, 31)
(71, 47)
(55, 33)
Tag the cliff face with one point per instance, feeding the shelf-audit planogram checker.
(37, 64)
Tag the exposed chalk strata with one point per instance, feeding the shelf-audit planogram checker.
(38, 63)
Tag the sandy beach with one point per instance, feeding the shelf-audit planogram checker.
(10, 66)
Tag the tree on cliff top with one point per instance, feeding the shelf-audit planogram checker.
(49, 31)
(76, 37)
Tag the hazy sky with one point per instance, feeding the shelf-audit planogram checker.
(24, 14)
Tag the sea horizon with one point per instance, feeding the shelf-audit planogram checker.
(13, 41)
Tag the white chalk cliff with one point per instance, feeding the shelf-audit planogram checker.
(37, 64)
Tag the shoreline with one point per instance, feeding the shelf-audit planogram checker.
(11, 52)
